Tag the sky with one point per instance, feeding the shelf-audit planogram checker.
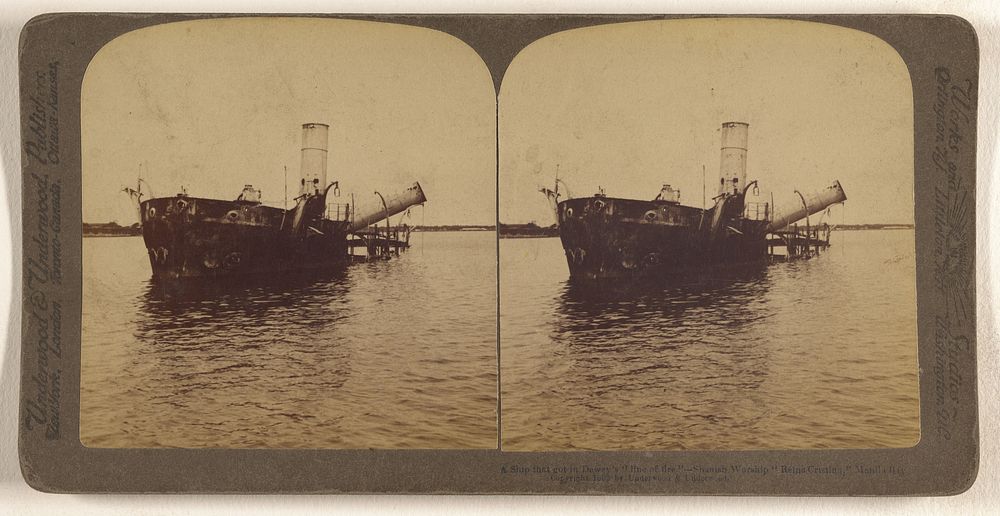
(211, 105)
(629, 107)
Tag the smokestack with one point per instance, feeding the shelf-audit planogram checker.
(394, 203)
(733, 169)
(313, 170)
(807, 204)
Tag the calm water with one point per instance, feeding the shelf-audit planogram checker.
(402, 354)
(398, 354)
(812, 354)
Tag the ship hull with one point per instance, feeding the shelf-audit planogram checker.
(610, 239)
(192, 238)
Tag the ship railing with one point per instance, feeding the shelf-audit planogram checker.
(339, 211)
(757, 211)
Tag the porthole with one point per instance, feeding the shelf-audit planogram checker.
(232, 260)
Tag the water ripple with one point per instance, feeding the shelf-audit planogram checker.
(814, 354)
(398, 354)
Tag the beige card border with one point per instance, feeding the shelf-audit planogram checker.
(942, 55)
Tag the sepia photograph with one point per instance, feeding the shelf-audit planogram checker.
(707, 239)
(616, 254)
(288, 238)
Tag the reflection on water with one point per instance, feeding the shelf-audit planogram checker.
(590, 324)
(726, 300)
(811, 354)
(337, 361)
(245, 306)
(241, 325)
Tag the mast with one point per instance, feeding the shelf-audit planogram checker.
(703, 186)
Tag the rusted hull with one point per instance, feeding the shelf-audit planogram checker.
(207, 238)
(623, 240)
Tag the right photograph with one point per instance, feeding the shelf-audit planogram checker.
(706, 239)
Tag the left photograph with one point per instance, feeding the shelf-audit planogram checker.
(288, 238)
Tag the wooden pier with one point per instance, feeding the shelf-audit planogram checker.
(380, 243)
(798, 242)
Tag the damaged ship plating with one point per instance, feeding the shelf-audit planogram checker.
(612, 238)
(191, 237)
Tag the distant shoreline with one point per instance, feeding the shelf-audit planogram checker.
(111, 229)
(452, 227)
(864, 227)
(534, 231)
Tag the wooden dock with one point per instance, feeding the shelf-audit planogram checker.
(380, 243)
(798, 242)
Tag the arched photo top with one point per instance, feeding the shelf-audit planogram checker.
(270, 151)
(662, 335)
(210, 105)
(631, 106)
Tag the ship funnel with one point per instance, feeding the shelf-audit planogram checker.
(733, 168)
(807, 205)
(393, 204)
(313, 169)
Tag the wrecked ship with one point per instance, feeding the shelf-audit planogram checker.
(192, 237)
(607, 238)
